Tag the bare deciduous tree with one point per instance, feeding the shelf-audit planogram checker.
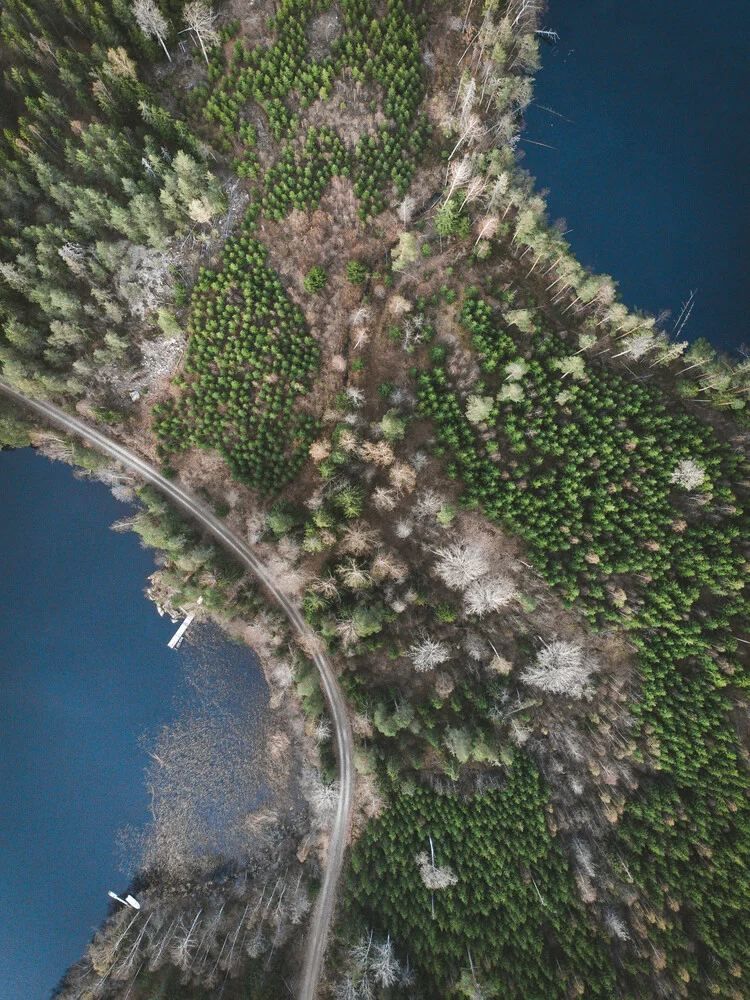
(346, 989)
(385, 566)
(151, 21)
(353, 575)
(432, 875)
(429, 653)
(474, 189)
(638, 347)
(489, 593)
(428, 503)
(406, 209)
(561, 668)
(358, 539)
(120, 63)
(460, 564)
(689, 474)
(323, 799)
(403, 478)
(479, 408)
(459, 175)
(616, 925)
(499, 191)
(322, 730)
(327, 586)
(458, 742)
(320, 450)
(487, 228)
(346, 629)
(356, 395)
(200, 19)
(384, 965)
(384, 499)
(379, 452)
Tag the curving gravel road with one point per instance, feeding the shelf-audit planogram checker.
(315, 943)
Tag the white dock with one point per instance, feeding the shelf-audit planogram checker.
(176, 639)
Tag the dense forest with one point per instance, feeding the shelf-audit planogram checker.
(289, 255)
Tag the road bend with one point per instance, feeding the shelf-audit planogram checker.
(317, 934)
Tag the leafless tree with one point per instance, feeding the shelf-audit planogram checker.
(466, 96)
(479, 408)
(489, 593)
(406, 209)
(379, 452)
(689, 474)
(327, 586)
(360, 953)
(429, 653)
(668, 352)
(383, 964)
(524, 14)
(346, 989)
(323, 799)
(356, 395)
(474, 190)
(527, 54)
(403, 478)
(428, 503)
(433, 876)
(360, 316)
(458, 742)
(151, 21)
(323, 730)
(358, 539)
(616, 925)
(459, 175)
(320, 450)
(637, 347)
(384, 499)
(353, 576)
(561, 667)
(386, 566)
(200, 19)
(347, 631)
(460, 564)
(487, 227)
(499, 191)
(403, 528)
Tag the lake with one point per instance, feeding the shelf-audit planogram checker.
(650, 165)
(85, 672)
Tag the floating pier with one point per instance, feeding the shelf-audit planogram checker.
(176, 639)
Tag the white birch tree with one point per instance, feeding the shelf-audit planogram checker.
(151, 21)
(200, 19)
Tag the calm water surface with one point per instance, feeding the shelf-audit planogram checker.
(84, 672)
(650, 165)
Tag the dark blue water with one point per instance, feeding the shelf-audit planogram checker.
(84, 672)
(651, 173)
